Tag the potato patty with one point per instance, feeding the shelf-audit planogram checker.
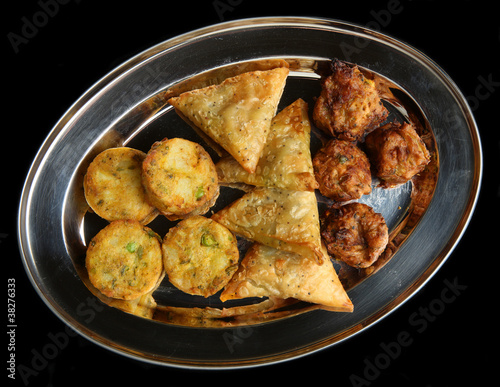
(397, 152)
(200, 256)
(180, 178)
(113, 186)
(342, 171)
(124, 260)
(355, 234)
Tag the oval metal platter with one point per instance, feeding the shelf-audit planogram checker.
(127, 107)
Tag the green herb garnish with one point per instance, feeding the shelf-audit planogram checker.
(200, 192)
(132, 247)
(209, 240)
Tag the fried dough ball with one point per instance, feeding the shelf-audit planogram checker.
(124, 260)
(397, 153)
(180, 178)
(113, 186)
(342, 171)
(354, 234)
(200, 256)
(349, 105)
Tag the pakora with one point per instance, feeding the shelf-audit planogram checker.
(355, 234)
(349, 105)
(397, 153)
(342, 171)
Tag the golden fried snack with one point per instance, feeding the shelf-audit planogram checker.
(200, 256)
(113, 186)
(397, 153)
(124, 260)
(283, 219)
(268, 272)
(349, 105)
(342, 171)
(180, 178)
(355, 234)
(236, 113)
(286, 159)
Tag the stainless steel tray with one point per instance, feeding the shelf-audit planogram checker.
(127, 107)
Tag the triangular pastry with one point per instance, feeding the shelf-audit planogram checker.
(268, 272)
(286, 159)
(283, 219)
(236, 113)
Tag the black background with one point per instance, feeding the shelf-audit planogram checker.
(86, 39)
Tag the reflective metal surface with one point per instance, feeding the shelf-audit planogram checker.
(127, 106)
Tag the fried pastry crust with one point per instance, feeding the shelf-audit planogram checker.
(268, 272)
(349, 105)
(342, 171)
(397, 153)
(355, 234)
(284, 219)
(286, 157)
(124, 260)
(236, 113)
